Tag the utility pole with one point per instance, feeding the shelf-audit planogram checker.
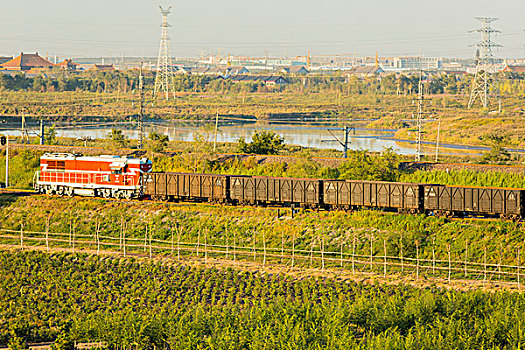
(345, 146)
(346, 142)
(42, 136)
(164, 77)
(7, 161)
(437, 140)
(25, 134)
(141, 109)
(216, 129)
(485, 63)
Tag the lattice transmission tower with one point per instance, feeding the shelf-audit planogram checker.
(164, 78)
(485, 63)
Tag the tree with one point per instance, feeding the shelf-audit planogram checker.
(50, 135)
(158, 141)
(497, 154)
(117, 138)
(263, 142)
(202, 148)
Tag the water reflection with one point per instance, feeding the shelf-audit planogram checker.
(303, 134)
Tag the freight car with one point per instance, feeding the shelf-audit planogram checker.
(180, 186)
(262, 190)
(352, 194)
(457, 201)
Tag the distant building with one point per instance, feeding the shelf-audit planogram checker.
(453, 72)
(184, 70)
(366, 71)
(5, 59)
(514, 69)
(68, 64)
(25, 62)
(273, 80)
(220, 71)
(270, 80)
(416, 63)
(294, 70)
(236, 70)
(103, 67)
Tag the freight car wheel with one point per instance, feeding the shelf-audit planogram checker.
(510, 217)
(438, 213)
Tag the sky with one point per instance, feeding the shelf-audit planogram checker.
(112, 28)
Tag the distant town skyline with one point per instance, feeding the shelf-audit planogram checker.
(274, 28)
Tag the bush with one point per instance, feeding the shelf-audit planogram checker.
(361, 165)
(158, 141)
(263, 142)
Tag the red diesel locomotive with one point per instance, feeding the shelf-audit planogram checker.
(101, 176)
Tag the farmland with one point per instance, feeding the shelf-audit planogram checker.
(133, 303)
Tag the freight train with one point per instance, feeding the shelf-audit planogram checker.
(129, 178)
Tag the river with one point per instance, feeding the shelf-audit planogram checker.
(305, 134)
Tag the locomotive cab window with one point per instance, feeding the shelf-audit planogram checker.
(59, 165)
